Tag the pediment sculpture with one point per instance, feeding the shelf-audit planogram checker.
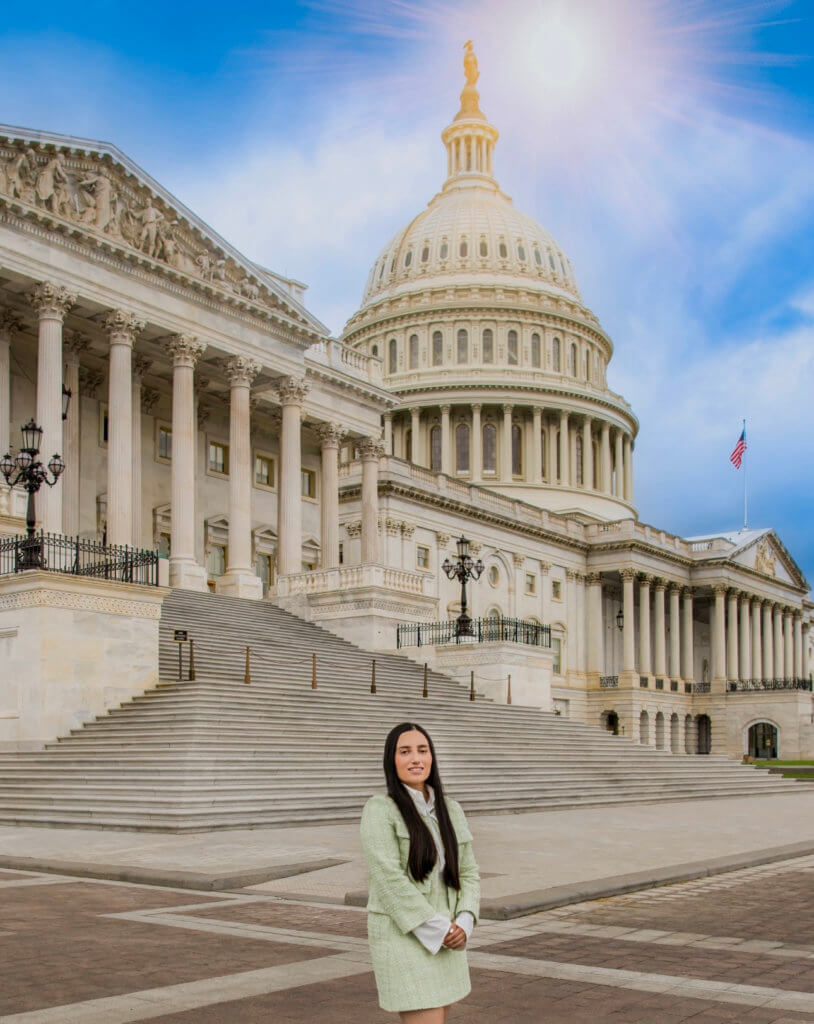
(765, 558)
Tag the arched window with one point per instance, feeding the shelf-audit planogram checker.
(375, 351)
(551, 261)
(503, 252)
(425, 254)
(463, 248)
(555, 352)
(538, 257)
(588, 364)
(435, 449)
(511, 348)
(408, 258)
(444, 250)
(517, 450)
(579, 460)
(393, 264)
(463, 346)
(488, 346)
(521, 253)
(543, 452)
(413, 346)
(462, 448)
(535, 350)
(573, 367)
(437, 348)
(408, 445)
(393, 355)
(484, 248)
(489, 448)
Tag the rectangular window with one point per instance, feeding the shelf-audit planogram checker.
(263, 471)
(531, 583)
(556, 590)
(341, 553)
(163, 443)
(556, 647)
(103, 425)
(216, 563)
(309, 483)
(218, 458)
(422, 557)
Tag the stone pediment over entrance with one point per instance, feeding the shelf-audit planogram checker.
(764, 552)
(91, 191)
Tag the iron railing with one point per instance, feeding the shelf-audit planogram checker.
(609, 682)
(75, 556)
(518, 631)
(742, 685)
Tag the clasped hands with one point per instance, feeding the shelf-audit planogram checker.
(455, 937)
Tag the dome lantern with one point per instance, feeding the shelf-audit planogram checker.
(470, 139)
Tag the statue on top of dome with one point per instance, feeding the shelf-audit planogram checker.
(470, 99)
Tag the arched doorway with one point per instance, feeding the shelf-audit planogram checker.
(704, 726)
(610, 721)
(763, 740)
(644, 728)
(689, 735)
(674, 742)
(659, 731)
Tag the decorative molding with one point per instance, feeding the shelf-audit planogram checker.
(241, 370)
(123, 326)
(51, 301)
(46, 598)
(370, 449)
(140, 364)
(442, 539)
(10, 323)
(518, 559)
(292, 390)
(185, 350)
(765, 558)
(74, 344)
(89, 381)
(354, 529)
(330, 435)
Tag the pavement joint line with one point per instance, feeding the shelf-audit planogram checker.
(15, 883)
(691, 988)
(159, 1002)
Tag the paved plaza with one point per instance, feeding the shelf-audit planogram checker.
(737, 947)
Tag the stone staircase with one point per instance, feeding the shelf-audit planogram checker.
(217, 753)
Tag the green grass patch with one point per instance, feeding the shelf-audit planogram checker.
(781, 764)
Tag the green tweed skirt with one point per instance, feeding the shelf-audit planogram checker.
(408, 977)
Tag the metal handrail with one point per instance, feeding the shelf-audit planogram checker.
(489, 630)
(77, 556)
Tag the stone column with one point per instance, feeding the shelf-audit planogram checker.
(552, 450)
(628, 628)
(719, 638)
(140, 367)
(804, 657)
(184, 570)
(330, 438)
(565, 478)
(9, 325)
(675, 632)
(798, 645)
(52, 302)
(476, 448)
(659, 646)
(536, 475)
(605, 459)
(618, 484)
(745, 645)
(757, 647)
(628, 459)
(388, 433)
(732, 669)
(240, 579)
(778, 642)
(415, 427)
(370, 451)
(446, 442)
(587, 454)
(506, 468)
(122, 328)
(645, 656)
(768, 641)
(788, 645)
(289, 527)
(596, 636)
(73, 345)
(687, 641)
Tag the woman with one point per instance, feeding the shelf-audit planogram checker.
(424, 890)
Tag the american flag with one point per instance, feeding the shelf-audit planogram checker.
(737, 452)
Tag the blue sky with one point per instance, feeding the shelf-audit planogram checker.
(667, 144)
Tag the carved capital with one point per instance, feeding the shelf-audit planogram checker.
(141, 365)
(628, 574)
(185, 350)
(476, 407)
(149, 397)
(122, 327)
(407, 530)
(10, 323)
(673, 587)
(354, 529)
(443, 539)
(73, 345)
(445, 410)
(719, 589)
(89, 381)
(573, 575)
(370, 449)
(241, 371)
(393, 527)
(330, 434)
(518, 559)
(507, 409)
(475, 548)
(545, 568)
(51, 301)
(292, 390)
(687, 593)
(645, 580)
(593, 579)
(659, 584)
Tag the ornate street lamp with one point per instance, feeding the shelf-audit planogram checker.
(25, 469)
(463, 569)
(620, 620)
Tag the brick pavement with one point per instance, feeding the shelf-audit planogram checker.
(737, 948)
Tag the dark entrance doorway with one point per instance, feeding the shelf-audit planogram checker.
(704, 734)
(762, 740)
(611, 722)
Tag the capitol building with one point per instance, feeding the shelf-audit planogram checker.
(212, 418)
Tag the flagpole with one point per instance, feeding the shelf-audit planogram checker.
(745, 507)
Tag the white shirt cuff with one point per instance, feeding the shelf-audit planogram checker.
(431, 934)
(466, 921)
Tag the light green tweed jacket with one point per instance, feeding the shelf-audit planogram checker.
(408, 977)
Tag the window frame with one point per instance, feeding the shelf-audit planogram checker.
(267, 456)
(218, 443)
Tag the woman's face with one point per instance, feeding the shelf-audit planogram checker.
(413, 759)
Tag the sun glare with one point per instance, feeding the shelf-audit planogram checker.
(560, 52)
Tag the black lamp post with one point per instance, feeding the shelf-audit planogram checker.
(463, 569)
(26, 469)
(620, 620)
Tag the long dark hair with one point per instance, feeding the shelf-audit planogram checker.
(423, 853)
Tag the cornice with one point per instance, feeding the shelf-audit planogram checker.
(370, 392)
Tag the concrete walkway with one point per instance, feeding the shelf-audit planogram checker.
(529, 862)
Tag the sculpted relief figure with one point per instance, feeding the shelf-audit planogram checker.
(149, 218)
(204, 261)
(97, 191)
(248, 289)
(21, 175)
(52, 186)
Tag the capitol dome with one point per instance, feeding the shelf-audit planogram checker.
(498, 367)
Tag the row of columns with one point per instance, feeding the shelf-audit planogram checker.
(58, 507)
(610, 447)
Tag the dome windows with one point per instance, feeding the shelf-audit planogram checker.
(413, 351)
(444, 250)
(502, 251)
(435, 449)
(511, 348)
(463, 249)
(488, 346)
(538, 257)
(517, 450)
(393, 356)
(408, 258)
(551, 262)
(555, 356)
(484, 248)
(521, 253)
(573, 361)
(463, 346)
(462, 448)
(425, 254)
(489, 449)
(535, 350)
(437, 348)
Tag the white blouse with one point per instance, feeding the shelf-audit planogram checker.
(431, 933)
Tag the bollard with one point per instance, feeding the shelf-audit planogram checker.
(472, 685)
(191, 674)
(424, 692)
(247, 675)
(313, 671)
(373, 676)
(509, 691)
